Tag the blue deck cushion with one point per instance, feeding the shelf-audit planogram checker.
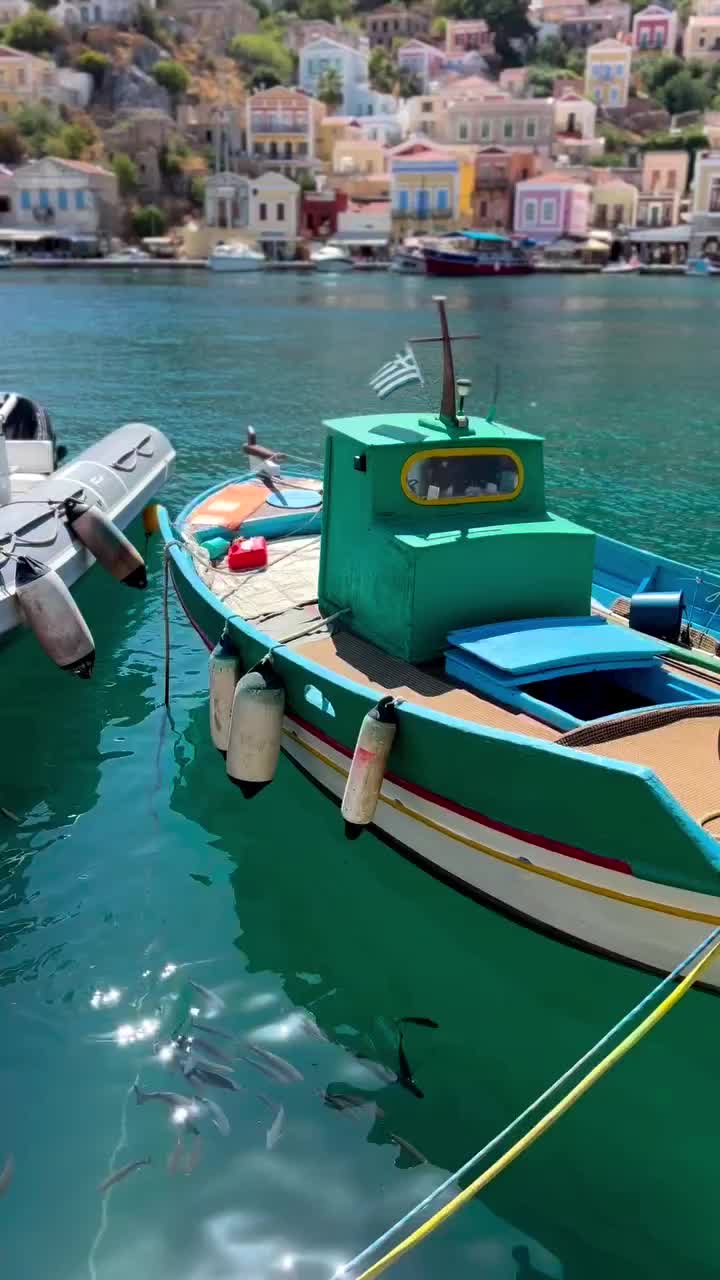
(534, 648)
(295, 499)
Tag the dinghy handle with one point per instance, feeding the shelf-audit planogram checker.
(136, 452)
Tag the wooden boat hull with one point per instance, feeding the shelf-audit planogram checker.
(447, 264)
(589, 849)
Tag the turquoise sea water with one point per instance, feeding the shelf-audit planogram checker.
(132, 854)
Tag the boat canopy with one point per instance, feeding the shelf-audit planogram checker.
(486, 237)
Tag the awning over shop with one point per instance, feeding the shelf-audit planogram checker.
(660, 235)
(360, 240)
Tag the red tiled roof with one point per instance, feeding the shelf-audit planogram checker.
(82, 166)
(554, 176)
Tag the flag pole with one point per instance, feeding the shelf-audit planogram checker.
(448, 413)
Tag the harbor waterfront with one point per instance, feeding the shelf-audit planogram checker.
(132, 855)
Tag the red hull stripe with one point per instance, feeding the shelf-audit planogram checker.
(553, 846)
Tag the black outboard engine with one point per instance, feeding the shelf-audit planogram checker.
(23, 419)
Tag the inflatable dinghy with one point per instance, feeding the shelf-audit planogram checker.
(55, 522)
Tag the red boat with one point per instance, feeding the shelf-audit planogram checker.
(477, 253)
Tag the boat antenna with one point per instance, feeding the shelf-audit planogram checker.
(495, 395)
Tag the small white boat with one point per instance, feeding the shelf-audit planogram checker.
(235, 257)
(701, 267)
(331, 258)
(56, 521)
(624, 267)
(7, 257)
(128, 256)
(408, 261)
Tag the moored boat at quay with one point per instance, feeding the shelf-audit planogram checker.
(468, 685)
(477, 253)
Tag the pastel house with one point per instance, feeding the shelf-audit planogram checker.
(655, 27)
(663, 183)
(550, 206)
(614, 204)
(607, 73)
(424, 186)
(282, 125)
(468, 35)
(422, 60)
(702, 38)
(351, 65)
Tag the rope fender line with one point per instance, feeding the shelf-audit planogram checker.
(710, 946)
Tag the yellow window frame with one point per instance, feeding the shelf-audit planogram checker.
(487, 451)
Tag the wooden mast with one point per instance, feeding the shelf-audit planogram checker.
(448, 411)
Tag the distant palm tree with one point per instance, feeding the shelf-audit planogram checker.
(330, 88)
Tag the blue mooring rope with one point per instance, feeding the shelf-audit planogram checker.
(524, 1115)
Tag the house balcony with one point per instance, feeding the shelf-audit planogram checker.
(488, 179)
(262, 127)
(424, 215)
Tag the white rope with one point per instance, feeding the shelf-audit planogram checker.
(119, 1146)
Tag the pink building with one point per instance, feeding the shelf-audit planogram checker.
(471, 35)
(550, 206)
(423, 60)
(655, 28)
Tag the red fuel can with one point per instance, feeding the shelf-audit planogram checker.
(247, 553)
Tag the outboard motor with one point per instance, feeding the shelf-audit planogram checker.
(23, 419)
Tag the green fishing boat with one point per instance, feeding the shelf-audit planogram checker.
(426, 643)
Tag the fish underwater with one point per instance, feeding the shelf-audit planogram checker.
(6, 1174)
(409, 1148)
(275, 1067)
(215, 1003)
(405, 1075)
(160, 1095)
(210, 1050)
(206, 1076)
(119, 1174)
(217, 1115)
(275, 1132)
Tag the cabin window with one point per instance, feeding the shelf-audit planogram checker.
(444, 476)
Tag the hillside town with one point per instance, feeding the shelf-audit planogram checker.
(589, 131)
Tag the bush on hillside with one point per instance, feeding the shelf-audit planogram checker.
(171, 76)
(33, 32)
(148, 220)
(93, 63)
(126, 172)
(12, 146)
(252, 52)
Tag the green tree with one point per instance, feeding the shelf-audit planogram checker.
(382, 71)
(126, 172)
(148, 220)
(683, 92)
(146, 22)
(94, 63)
(327, 9)
(330, 88)
(655, 72)
(551, 52)
(37, 124)
(12, 146)
(438, 27)
(255, 51)
(507, 19)
(33, 32)
(171, 76)
(197, 191)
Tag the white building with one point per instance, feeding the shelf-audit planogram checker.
(274, 214)
(75, 88)
(351, 65)
(11, 9)
(64, 198)
(83, 13)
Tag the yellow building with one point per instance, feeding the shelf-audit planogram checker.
(358, 157)
(702, 38)
(25, 78)
(706, 185)
(282, 126)
(607, 73)
(431, 189)
(332, 129)
(614, 204)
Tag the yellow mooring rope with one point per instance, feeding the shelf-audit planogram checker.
(546, 1121)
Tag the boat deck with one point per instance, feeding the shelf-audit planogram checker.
(680, 745)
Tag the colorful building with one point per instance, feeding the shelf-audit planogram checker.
(583, 24)
(662, 187)
(702, 38)
(351, 65)
(25, 78)
(422, 60)
(275, 214)
(552, 205)
(425, 188)
(614, 204)
(607, 73)
(394, 22)
(497, 172)
(65, 198)
(471, 35)
(282, 126)
(655, 27)
(503, 121)
(358, 156)
(705, 212)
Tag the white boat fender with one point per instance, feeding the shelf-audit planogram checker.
(367, 770)
(223, 673)
(255, 729)
(106, 543)
(50, 611)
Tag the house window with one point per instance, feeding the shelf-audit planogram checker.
(508, 130)
(485, 130)
(644, 40)
(659, 40)
(5, 204)
(263, 213)
(79, 199)
(25, 200)
(547, 212)
(62, 197)
(614, 97)
(403, 202)
(619, 69)
(44, 199)
(422, 202)
(530, 129)
(280, 212)
(483, 208)
(302, 148)
(426, 108)
(441, 200)
(671, 180)
(463, 131)
(714, 205)
(98, 13)
(530, 209)
(618, 215)
(445, 476)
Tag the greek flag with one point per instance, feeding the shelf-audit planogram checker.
(394, 374)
